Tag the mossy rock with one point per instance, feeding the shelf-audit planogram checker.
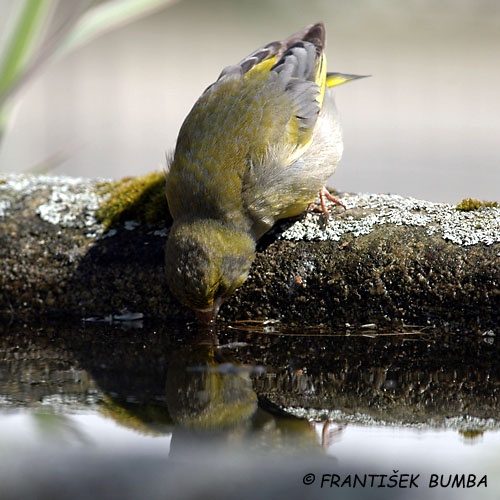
(134, 198)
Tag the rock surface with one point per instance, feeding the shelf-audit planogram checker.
(384, 259)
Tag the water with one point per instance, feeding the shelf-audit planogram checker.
(247, 410)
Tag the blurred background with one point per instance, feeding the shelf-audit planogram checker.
(427, 124)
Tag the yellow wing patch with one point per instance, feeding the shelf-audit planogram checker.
(261, 69)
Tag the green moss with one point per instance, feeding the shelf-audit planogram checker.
(471, 434)
(134, 198)
(469, 204)
(146, 419)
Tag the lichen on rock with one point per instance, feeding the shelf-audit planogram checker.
(364, 212)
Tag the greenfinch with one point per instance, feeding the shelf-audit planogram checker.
(256, 147)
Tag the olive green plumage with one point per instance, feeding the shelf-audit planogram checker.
(257, 147)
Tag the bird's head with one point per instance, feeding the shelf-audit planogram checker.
(205, 261)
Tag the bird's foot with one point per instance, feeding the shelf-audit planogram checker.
(325, 194)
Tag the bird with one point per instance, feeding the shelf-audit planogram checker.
(257, 146)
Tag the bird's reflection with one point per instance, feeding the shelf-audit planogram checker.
(206, 388)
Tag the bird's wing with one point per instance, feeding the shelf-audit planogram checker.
(293, 72)
(248, 126)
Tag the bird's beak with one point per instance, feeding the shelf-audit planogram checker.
(207, 316)
(335, 79)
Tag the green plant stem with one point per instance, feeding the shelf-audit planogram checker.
(32, 18)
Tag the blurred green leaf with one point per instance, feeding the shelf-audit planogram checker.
(33, 16)
(35, 39)
(109, 16)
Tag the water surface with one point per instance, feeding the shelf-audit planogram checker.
(247, 410)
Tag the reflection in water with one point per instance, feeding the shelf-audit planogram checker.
(215, 378)
(258, 389)
(58, 428)
(472, 436)
(206, 388)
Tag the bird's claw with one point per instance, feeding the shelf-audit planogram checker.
(324, 195)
